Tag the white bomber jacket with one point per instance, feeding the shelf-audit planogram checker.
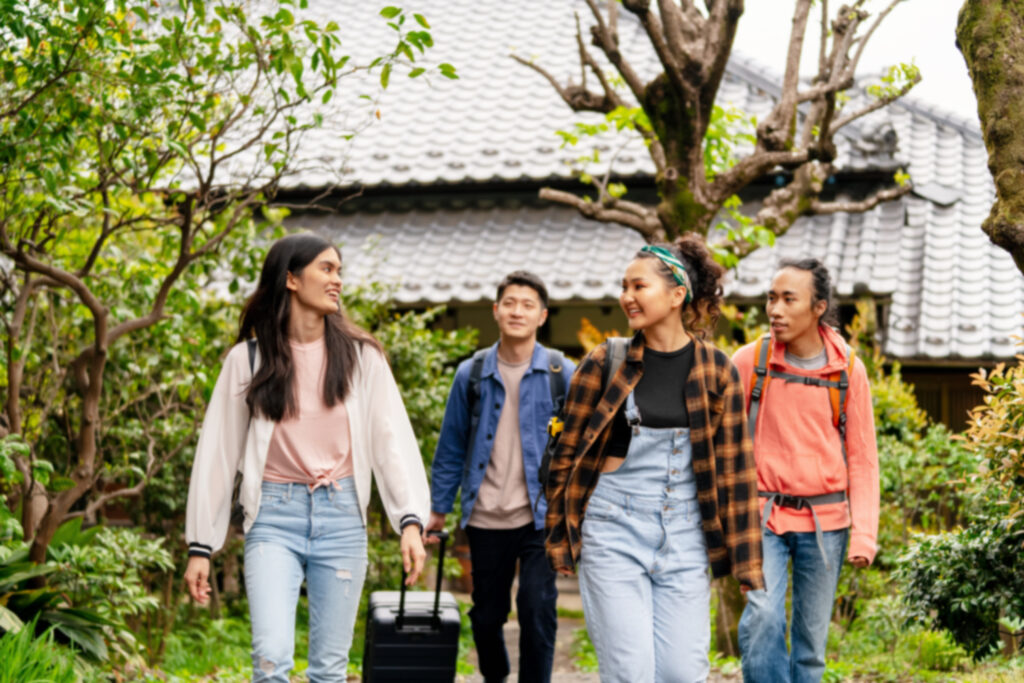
(381, 436)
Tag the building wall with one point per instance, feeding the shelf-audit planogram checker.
(947, 395)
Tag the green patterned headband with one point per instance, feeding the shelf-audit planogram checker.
(675, 265)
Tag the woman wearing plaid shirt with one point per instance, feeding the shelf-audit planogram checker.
(659, 466)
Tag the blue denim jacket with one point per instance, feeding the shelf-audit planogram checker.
(460, 464)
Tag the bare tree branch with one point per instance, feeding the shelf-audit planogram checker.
(776, 131)
(823, 44)
(721, 33)
(578, 98)
(750, 169)
(641, 218)
(852, 66)
(608, 41)
(672, 68)
(874, 106)
(818, 207)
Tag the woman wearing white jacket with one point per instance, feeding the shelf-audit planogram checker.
(317, 414)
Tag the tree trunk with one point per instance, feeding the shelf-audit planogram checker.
(232, 586)
(990, 34)
(727, 620)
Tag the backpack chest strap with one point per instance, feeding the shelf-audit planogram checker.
(841, 383)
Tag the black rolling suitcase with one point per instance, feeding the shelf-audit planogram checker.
(412, 636)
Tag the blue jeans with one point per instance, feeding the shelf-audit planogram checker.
(643, 566)
(318, 537)
(762, 630)
(494, 553)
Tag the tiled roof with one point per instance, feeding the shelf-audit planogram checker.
(498, 121)
(953, 294)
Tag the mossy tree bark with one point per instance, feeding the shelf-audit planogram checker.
(990, 34)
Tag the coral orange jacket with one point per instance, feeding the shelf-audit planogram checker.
(798, 449)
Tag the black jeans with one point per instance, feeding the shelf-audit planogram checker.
(494, 553)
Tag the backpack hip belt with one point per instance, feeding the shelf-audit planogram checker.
(799, 503)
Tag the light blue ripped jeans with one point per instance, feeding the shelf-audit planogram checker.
(318, 537)
(643, 566)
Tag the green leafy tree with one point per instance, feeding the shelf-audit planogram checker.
(139, 141)
(693, 142)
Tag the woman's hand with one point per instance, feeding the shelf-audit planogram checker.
(860, 562)
(564, 571)
(413, 554)
(197, 576)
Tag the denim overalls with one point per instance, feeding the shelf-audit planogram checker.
(643, 566)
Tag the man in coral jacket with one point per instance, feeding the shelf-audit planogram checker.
(819, 503)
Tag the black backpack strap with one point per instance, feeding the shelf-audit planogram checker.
(251, 344)
(556, 378)
(476, 371)
(617, 348)
(760, 371)
(844, 394)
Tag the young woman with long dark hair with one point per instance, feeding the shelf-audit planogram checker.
(306, 421)
(654, 481)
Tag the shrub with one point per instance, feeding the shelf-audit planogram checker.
(964, 582)
(27, 658)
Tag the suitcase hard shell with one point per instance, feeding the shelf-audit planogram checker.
(412, 636)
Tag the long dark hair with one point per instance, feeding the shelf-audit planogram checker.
(822, 286)
(266, 315)
(706, 275)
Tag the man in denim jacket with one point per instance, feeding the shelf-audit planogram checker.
(496, 466)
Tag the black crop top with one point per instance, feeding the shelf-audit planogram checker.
(660, 396)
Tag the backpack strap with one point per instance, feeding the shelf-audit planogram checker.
(556, 378)
(840, 396)
(617, 349)
(759, 381)
(251, 345)
(476, 371)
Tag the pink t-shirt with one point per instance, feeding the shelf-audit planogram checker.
(312, 448)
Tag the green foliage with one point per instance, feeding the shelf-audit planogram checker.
(21, 602)
(966, 581)
(108, 573)
(10, 446)
(728, 129)
(924, 485)
(200, 646)
(29, 659)
(583, 653)
(996, 434)
(739, 230)
(120, 121)
(896, 81)
(963, 582)
(936, 651)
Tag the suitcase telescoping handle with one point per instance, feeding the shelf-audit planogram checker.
(436, 618)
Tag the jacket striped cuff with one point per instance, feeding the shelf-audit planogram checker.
(199, 550)
(410, 519)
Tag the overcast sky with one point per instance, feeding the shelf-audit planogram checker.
(920, 30)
